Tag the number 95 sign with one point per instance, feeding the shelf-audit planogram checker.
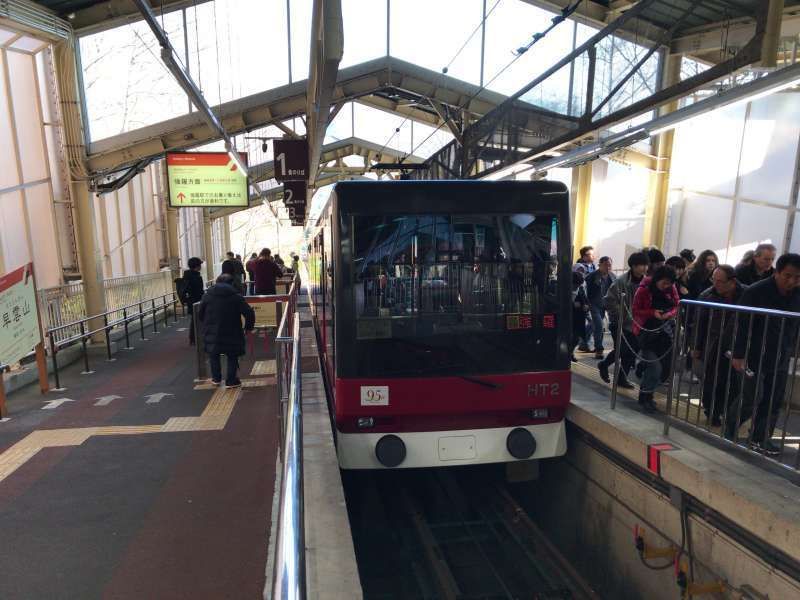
(374, 395)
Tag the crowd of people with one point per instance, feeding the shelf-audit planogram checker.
(222, 305)
(642, 305)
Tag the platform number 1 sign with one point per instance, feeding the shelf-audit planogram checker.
(291, 160)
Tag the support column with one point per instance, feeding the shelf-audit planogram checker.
(88, 250)
(89, 257)
(173, 245)
(208, 247)
(171, 219)
(226, 234)
(772, 34)
(582, 190)
(657, 206)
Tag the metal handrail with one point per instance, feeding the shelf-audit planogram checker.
(107, 327)
(289, 577)
(715, 354)
(108, 312)
(741, 308)
(285, 317)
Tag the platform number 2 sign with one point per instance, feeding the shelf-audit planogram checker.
(374, 395)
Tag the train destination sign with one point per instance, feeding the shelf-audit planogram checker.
(19, 317)
(291, 160)
(207, 179)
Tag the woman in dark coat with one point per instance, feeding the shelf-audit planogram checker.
(698, 277)
(221, 312)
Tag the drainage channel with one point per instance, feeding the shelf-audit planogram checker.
(452, 534)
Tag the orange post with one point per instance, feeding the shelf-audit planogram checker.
(41, 364)
(3, 410)
(41, 355)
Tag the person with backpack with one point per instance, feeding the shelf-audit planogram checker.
(190, 290)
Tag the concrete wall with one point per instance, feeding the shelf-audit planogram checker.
(590, 506)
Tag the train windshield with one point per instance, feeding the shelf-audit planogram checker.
(455, 294)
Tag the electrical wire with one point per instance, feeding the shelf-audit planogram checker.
(442, 75)
(566, 12)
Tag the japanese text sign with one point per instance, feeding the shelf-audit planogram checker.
(19, 318)
(266, 309)
(206, 179)
(291, 159)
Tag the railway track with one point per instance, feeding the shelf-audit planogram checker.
(436, 534)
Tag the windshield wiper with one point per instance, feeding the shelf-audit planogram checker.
(483, 382)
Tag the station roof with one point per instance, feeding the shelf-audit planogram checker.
(93, 14)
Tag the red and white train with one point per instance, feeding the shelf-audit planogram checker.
(442, 310)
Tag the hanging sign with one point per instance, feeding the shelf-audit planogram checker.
(291, 160)
(294, 193)
(207, 179)
(19, 317)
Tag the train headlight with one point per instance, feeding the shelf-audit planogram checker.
(520, 443)
(364, 422)
(540, 413)
(390, 451)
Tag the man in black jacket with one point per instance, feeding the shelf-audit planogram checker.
(597, 284)
(716, 328)
(764, 358)
(234, 267)
(221, 312)
(192, 291)
(760, 267)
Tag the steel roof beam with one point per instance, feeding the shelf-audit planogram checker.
(327, 48)
(274, 106)
(101, 16)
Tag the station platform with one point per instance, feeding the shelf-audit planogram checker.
(136, 483)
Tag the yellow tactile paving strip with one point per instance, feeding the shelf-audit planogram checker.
(214, 418)
(263, 367)
(246, 383)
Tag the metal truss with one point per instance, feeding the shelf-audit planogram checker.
(501, 139)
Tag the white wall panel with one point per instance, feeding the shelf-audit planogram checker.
(111, 209)
(769, 152)
(124, 199)
(117, 264)
(705, 222)
(616, 211)
(26, 114)
(45, 245)
(8, 165)
(755, 224)
(13, 231)
(137, 196)
(129, 256)
(706, 153)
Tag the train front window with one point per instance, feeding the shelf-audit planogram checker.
(452, 295)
